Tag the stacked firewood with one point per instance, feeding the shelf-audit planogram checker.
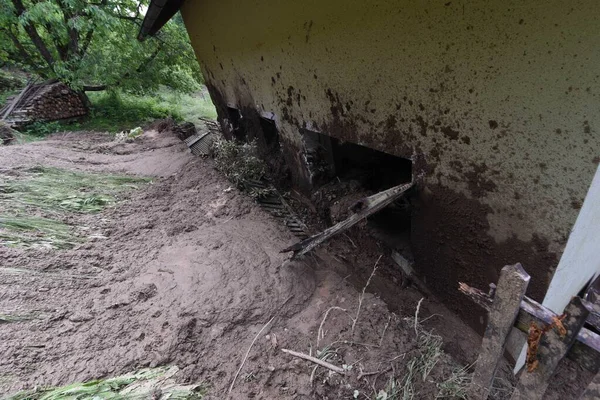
(45, 102)
(55, 101)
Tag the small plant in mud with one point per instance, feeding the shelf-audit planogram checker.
(240, 163)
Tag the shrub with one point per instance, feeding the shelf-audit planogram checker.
(238, 161)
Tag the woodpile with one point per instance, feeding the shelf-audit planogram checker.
(49, 101)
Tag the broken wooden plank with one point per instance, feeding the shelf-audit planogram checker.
(553, 347)
(592, 392)
(511, 289)
(362, 209)
(586, 349)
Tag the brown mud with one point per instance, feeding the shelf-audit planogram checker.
(188, 273)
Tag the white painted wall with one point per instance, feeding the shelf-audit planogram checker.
(581, 259)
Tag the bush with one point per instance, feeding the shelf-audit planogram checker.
(40, 129)
(239, 162)
(117, 111)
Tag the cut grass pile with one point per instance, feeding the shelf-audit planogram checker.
(61, 190)
(151, 383)
(34, 202)
(31, 231)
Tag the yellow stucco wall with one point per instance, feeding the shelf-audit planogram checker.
(496, 100)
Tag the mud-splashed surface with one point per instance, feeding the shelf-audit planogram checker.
(188, 273)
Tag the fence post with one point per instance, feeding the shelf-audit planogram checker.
(501, 318)
(552, 349)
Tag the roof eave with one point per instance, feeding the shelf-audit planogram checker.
(158, 14)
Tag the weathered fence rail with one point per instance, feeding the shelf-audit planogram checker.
(550, 337)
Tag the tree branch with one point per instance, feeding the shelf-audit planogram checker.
(94, 88)
(34, 35)
(22, 51)
(98, 88)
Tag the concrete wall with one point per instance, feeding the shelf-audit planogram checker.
(495, 101)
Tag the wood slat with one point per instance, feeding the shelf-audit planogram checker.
(586, 349)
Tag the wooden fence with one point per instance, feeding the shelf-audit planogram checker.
(550, 337)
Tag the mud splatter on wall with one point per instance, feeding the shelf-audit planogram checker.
(496, 102)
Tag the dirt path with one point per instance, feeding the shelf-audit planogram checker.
(188, 274)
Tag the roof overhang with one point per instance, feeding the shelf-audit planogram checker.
(159, 12)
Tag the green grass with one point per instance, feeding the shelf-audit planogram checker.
(116, 111)
(189, 106)
(144, 384)
(34, 201)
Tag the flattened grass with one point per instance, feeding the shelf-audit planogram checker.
(31, 231)
(35, 201)
(145, 384)
(62, 190)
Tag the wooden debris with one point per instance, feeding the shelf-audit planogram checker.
(503, 312)
(322, 363)
(48, 101)
(535, 335)
(586, 349)
(552, 349)
(361, 210)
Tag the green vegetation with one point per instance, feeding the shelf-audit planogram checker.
(238, 161)
(31, 201)
(28, 231)
(117, 111)
(94, 46)
(151, 383)
(61, 190)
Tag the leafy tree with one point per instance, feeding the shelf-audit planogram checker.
(92, 45)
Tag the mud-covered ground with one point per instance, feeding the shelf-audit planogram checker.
(187, 272)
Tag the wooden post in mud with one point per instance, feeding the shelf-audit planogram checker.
(553, 348)
(502, 315)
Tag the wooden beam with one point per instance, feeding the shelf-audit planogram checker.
(553, 347)
(511, 289)
(585, 350)
(362, 209)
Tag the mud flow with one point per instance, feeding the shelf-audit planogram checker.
(186, 271)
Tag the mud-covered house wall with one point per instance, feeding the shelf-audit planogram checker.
(496, 102)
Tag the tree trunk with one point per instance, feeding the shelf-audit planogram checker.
(34, 36)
